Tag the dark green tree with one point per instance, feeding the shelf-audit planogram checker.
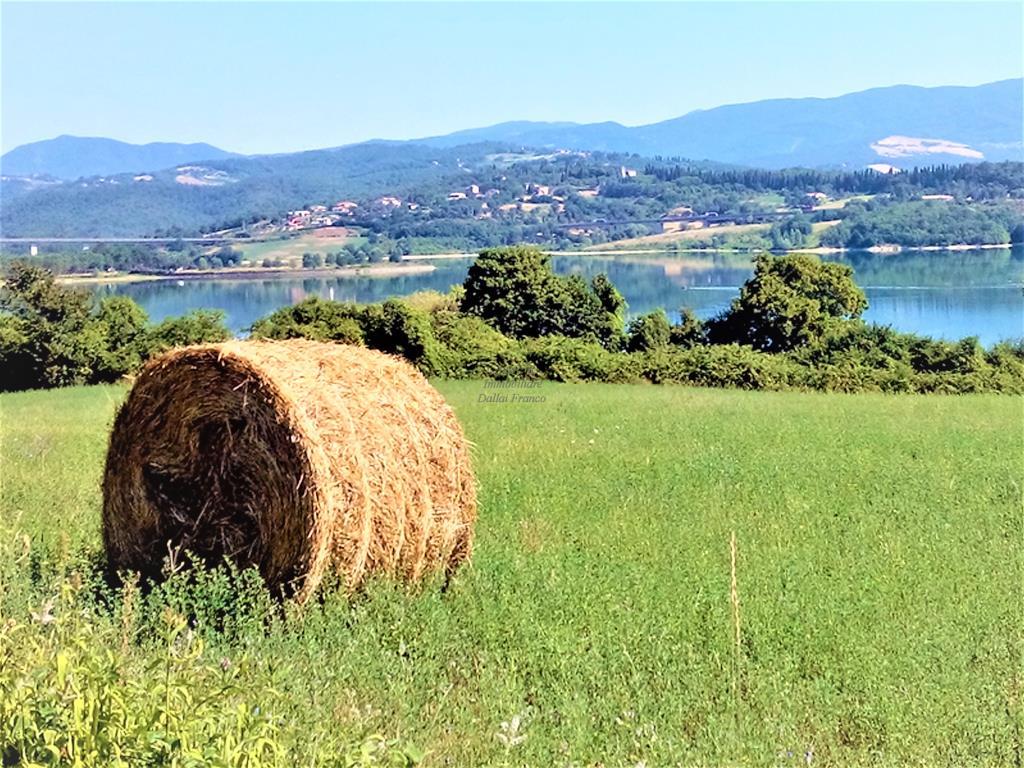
(59, 338)
(690, 331)
(312, 260)
(790, 233)
(790, 301)
(313, 318)
(123, 325)
(52, 336)
(515, 291)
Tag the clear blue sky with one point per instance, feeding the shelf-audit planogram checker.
(272, 77)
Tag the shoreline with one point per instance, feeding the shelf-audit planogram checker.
(878, 250)
(261, 273)
(412, 264)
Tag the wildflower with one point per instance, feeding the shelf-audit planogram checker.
(45, 614)
(509, 733)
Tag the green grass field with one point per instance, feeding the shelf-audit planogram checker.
(879, 576)
(290, 249)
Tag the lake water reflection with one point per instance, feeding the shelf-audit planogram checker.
(946, 294)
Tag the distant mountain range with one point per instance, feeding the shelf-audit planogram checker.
(900, 125)
(72, 157)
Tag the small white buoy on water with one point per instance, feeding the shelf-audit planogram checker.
(181, 283)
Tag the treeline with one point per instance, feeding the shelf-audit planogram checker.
(661, 188)
(923, 223)
(977, 181)
(123, 257)
(374, 250)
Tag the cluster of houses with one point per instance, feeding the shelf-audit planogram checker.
(322, 216)
(314, 216)
(536, 196)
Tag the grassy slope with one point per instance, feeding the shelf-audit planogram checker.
(879, 580)
(685, 235)
(291, 249)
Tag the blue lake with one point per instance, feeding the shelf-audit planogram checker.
(945, 294)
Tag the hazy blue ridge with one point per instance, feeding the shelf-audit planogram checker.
(72, 157)
(780, 133)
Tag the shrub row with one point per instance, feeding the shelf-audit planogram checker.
(442, 342)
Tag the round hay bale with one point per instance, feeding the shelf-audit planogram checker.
(297, 457)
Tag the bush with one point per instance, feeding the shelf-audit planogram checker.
(316, 319)
(936, 356)
(201, 326)
(727, 365)
(473, 349)
(1007, 360)
(650, 331)
(392, 327)
(564, 359)
(398, 329)
(16, 361)
(689, 332)
(848, 376)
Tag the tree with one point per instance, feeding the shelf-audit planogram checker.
(689, 332)
(228, 256)
(50, 335)
(312, 260)
(313, 318)
(122, 324)
(790, 301)
(398, 329)
(791, 233)
(515, 291)
(611, 300)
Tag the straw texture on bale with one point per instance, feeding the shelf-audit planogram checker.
(297, 457)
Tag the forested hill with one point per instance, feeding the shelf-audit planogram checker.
(222, 193)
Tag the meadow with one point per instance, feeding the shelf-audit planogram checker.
(290, 249)
(875, 598)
